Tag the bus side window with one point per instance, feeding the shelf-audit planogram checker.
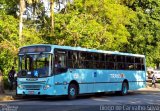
(143, 67)
(82, 60)
(60, 63)
(89, 60)
(73, 59)
(130, 62)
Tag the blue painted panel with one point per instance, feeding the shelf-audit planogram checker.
(89, 81)
(103, 80)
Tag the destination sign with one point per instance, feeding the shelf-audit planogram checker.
(34, 49)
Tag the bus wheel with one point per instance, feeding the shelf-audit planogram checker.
(72, 91)
(124, 90)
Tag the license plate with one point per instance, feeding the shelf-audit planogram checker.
(30, 92)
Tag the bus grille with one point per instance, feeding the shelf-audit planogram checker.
(32, 87)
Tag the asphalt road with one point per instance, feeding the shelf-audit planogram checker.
(139, 100)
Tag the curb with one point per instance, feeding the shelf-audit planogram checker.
(6, 98)
(150, 89)
(7, 95)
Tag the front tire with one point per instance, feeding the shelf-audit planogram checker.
(72, 91)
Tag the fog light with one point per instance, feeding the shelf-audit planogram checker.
(20, 86)
(46, 87)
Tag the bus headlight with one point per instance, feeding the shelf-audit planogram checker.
(46, 87)
(20, 86)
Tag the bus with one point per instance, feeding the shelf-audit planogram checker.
(80, 71)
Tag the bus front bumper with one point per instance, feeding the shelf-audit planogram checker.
(35, 92)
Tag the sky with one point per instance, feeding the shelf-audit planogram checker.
(28, 12)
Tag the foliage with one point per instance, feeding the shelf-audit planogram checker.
(123, 25)
(144, 30)
(9, 41)
(6, 83)
(94, 24)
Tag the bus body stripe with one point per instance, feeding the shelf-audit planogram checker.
(98, 82)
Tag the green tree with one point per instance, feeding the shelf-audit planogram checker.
(144, 30)
(9, 40)
(94, 24)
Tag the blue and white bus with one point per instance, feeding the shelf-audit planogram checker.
(80, 71)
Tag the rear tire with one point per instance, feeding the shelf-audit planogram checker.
(124, 90)
(72, 91)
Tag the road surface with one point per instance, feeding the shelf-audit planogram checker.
(137, 100)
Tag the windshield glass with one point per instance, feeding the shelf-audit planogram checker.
(35, 65)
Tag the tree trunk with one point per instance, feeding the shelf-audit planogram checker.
(158, 65)
(52, 16)
(22, 8)
(1, 83)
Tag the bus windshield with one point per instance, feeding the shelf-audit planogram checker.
(35, 65)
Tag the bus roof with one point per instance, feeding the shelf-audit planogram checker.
(85, 49)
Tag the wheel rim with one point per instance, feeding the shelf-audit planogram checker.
(125, 89)
(72, 92)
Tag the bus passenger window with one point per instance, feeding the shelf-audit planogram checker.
(131, 66)
(60, 63)
(139, 67)
(110, 65)
(137, 60)
(120, 66)
(143, 67)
